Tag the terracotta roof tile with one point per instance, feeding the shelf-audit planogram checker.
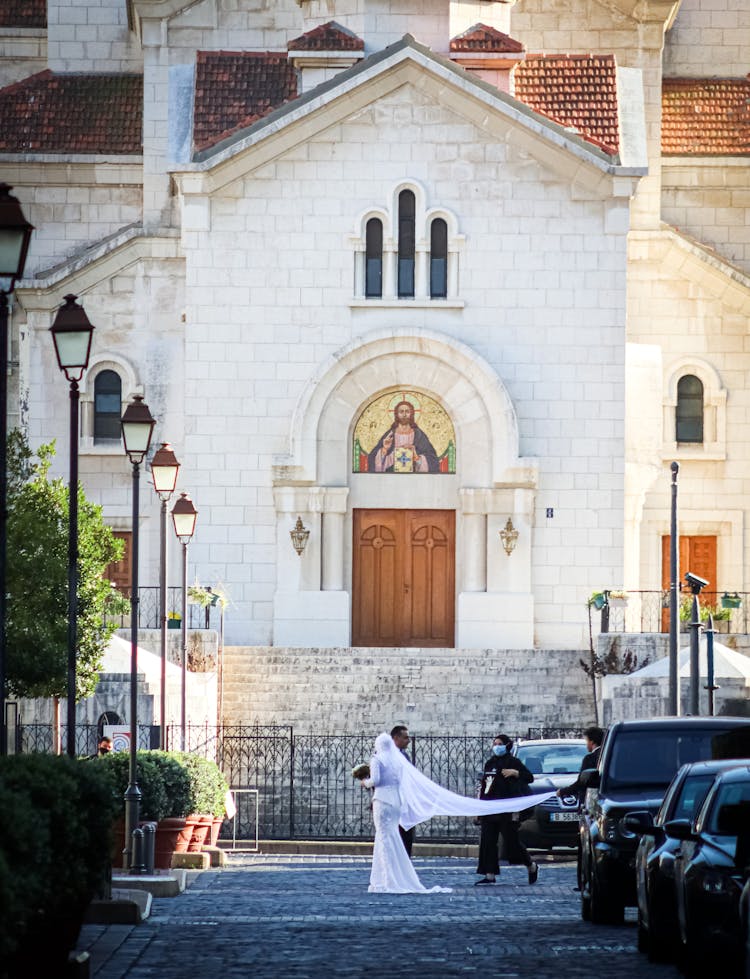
(233, 89)
(483, 38)
(579, 91)
(705, 116)
(23, 13)
(327, 37)
(51, 113)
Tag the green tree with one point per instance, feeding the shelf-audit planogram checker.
(37, 579)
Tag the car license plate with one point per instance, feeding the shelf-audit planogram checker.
(564, 817)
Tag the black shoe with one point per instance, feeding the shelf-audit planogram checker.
(533, 873)
(484, 880)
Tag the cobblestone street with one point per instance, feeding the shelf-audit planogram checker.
(303, 916)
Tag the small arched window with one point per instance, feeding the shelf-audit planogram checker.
(374, 259)
(107, 407)
(406, 243)
(438, 259)
(689, 415)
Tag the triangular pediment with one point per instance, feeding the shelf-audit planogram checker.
(408, 63)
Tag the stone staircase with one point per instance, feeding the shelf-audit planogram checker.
(434, 691)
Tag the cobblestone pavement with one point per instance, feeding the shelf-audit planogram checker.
(305, 917)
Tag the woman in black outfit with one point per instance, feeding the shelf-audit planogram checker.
(504, 777)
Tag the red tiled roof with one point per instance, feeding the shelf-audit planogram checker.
(483, 38)
(233, 89)
(51, 113)
(23, 13)
(327, 37)
(574, 90)
(705, 116)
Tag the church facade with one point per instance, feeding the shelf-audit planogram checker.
(448, 285)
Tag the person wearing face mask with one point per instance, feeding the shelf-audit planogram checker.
(504, 777)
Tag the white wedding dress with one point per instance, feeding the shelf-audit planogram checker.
(406, 796)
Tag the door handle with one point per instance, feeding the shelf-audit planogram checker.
(406, 587)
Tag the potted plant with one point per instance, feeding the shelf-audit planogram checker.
(174, 620)
(208, 789)
(597, 599)
(617, 597)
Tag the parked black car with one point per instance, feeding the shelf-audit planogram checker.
(658, 931)
(708, 876)
(745, 927)
(554, 763)
(639, 759)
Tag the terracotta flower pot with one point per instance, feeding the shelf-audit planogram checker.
(218, 822)
(167, 834)
(201, 829)
(183, 841)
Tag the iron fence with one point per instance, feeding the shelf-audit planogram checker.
(304, 785)
(199, 617)
(648, 611)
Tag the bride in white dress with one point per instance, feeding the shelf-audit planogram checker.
(406, 796)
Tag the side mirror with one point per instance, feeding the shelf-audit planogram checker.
(640, 823)
(679, 829)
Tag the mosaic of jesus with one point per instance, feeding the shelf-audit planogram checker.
(404, 432)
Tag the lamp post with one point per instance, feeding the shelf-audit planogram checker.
(15, 235)
(71, 334)
(696, 584)
(674, 608)
(164, 470)
(137, 427)
(184, 516)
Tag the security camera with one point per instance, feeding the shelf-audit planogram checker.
(695, 582)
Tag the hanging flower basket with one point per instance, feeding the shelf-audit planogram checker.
(731, 601)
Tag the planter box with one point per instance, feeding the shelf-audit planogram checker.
(618, 603)
(174, 623)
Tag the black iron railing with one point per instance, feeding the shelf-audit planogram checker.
(648, 611)
(199, 617)
(304, 782)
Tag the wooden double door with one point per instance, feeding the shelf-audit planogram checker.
(403, 578)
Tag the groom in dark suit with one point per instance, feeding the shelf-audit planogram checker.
(400, 735)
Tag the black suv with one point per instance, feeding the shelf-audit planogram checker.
(637, 763)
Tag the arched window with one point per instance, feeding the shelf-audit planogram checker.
(374, 259)
(689, 415)
(107, 406)
(438, 259)
(406, 243)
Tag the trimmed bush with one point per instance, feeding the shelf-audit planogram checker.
(54, 855)
(207, 784)
(162, 779)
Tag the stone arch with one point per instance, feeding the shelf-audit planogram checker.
(466, 385)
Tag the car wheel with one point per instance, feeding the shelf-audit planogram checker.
(604, 910)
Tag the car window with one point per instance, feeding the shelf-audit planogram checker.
(651, 757)
(694, 791)
(727, 795)
(557, 759)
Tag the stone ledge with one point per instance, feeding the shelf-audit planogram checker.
(127, 907)
(167, 885)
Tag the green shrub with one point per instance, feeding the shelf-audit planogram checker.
(208, 785)
(162, 779)
(54, 853)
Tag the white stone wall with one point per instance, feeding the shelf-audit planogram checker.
(73, 205)
(91, 35)
(23, 52)
(675, 304)
(269, 297)
(709, 199)
(709, 40)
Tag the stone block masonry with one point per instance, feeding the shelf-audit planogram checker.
(434, 691)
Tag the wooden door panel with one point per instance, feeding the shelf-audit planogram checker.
(697, 554)
(376, 579)
(403, 578)
(119, 572)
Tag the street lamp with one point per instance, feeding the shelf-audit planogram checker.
(164, 470)
(674, 608)
(184, 516)
(71, 333)
(15, 235)
(137, 427)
